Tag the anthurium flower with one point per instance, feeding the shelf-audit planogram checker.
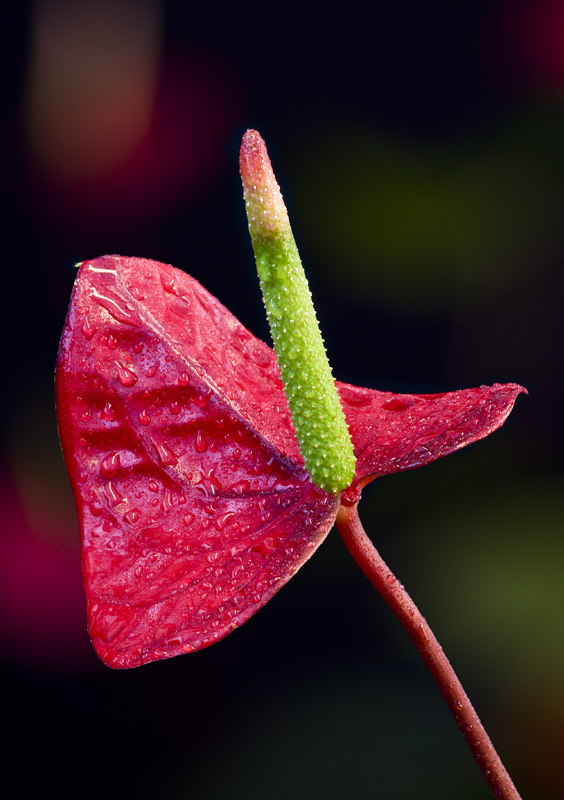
(194, 503)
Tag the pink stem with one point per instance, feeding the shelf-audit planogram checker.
(377, 572)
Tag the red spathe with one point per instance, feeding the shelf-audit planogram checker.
(193, 502)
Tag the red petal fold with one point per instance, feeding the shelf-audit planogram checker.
(394, 432)
(193, 502)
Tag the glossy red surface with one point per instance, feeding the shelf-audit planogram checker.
(193, 502)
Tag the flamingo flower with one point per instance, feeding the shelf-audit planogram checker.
(183, 436)
(194, 504)
(207, 468)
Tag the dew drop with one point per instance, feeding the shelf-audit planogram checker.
(137, 293)
(188, 518)
(175, 407)
(152, 371)
(170, 498)
(110, 465)
(88, 329)
(114, 496)
(168, 283)
(221, 522)
(201, 443)
(112, 342)
(166, 455)
(215, 484)
(144, 417)
(183, 379)
(202, 400)
(108, 413)
(391, 578)
(125, 376)
(137, 347)
(86, 416)
(116, 307)
(153, 486)
(132, 516)
(265, 547)
(96, 509)
(241, 487)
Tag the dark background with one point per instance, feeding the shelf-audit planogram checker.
(418, 146)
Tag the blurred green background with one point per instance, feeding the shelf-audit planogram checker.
(419, 150)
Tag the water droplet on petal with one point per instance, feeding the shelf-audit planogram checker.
(137, 347)
(265, 547)
(116, 307)
(201, 443)
(188, 518)
(153, 486)
(114, 496)
(166, 454)
(391, 578)
(175, 407)
(144, 417)
(202, 400)
(132, 516)
(241, 487)
(88, 329)
(167, 282)
(152, 371)
(108, 413)
(86, 416)
(112, 342)
(137, 293)
(221, 522)
(183, 379)
(214, 482)
(125, 376)
(110, 465)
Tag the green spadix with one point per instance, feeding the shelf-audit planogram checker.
(317, 415)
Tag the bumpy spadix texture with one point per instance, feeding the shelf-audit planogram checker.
(317, 414)
(194, 504)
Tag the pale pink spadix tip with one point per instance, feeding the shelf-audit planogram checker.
(266, 211)
(254, 161)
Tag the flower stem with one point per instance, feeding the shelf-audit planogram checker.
(392, 591)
